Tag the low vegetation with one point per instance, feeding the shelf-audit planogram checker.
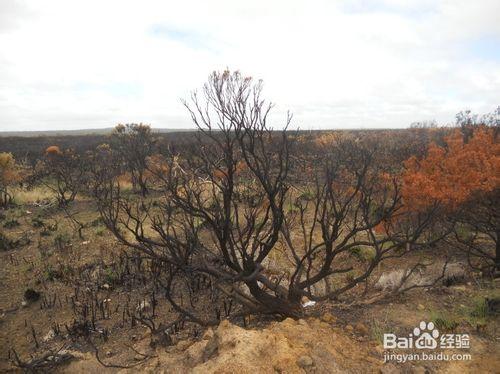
(244, 222)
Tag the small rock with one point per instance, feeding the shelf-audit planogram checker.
(138, 357)
(109, 353)
(86, 242)
(144, 306)
(309, 303)
(50, 335)
(328, 317)
(349, 328)
(305, 361)
(420, 307)
(361, 328)
(106, 286)
(208, 334)
(24, 303)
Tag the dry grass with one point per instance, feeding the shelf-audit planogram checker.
(35, 195)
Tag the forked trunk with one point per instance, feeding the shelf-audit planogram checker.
(276, 305)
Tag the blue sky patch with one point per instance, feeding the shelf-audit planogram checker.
(484, 48)
(189, 38)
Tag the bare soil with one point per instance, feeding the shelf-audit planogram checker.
(333, 338)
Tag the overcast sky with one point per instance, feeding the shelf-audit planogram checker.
(89, 64)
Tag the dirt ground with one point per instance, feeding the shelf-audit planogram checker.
(333, 338)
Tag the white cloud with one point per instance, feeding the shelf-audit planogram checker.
(74, 64)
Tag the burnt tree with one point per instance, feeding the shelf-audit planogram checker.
(134, 143)
(63, 172)
(225, 209)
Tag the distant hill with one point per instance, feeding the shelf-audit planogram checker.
(104, 131)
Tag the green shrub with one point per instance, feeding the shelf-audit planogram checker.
(100, 231)
(62, 271)
(479, 309)
(37, 222)
(5, 242)
(363, 254)
(11, 223)
(111, 276)
(45, 232)
(96, 222)
(307, 195)
(463, 233)
(378, 331)
(50, 273)
(62, 240)
(484, 308)
(444, 321)
(292, 208)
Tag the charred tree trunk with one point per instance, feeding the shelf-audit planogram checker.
(497, 252)
(276, 305)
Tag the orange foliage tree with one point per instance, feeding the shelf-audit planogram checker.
(464, 178)
(452, 174)
(9, 175)
(53, 151)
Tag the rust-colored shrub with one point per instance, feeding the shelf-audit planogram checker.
(464, 178)
(9, 175)
(53, 150)
(451, 174)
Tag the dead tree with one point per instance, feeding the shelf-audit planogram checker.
(225, 209)
(353, 204)
(63, 172)
(134, 143)
(477, 232)
(11, 173)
